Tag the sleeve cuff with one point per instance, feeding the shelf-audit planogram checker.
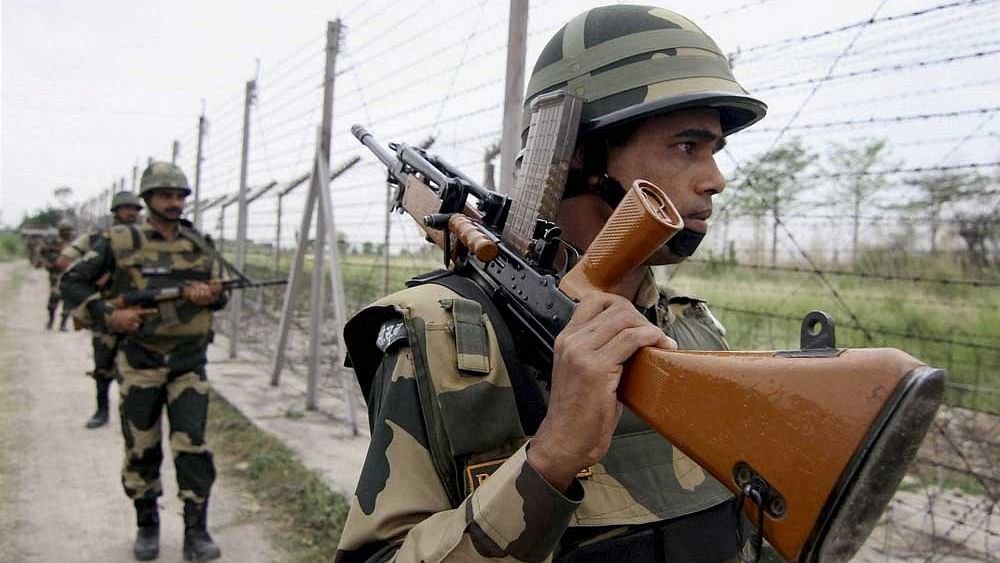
(521, 512)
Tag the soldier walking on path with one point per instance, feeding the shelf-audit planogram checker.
(162, 356)
(125, 208)
(50, 253)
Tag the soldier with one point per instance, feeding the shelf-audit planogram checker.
(162, 355)
(457, 470)
(49, 254)
(125, 208)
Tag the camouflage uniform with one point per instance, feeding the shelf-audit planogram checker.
(105, 344)
(49, 253)
(163, 364)
(438, 382)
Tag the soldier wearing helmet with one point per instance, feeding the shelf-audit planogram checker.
(49, 254)
(163, 351)
(125, 208)
(453, 473)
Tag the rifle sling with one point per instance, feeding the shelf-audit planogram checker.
(199, 241)
(531, 406)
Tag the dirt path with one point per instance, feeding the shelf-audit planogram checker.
(60, 496)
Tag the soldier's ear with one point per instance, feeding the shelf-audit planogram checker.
(577, 160)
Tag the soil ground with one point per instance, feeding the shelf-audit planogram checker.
(60, 494)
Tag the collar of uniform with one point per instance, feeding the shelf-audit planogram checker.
(152, 233)
(647, 295)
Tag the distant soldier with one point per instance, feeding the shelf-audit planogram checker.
(49, 254)
(125, 208)
(162, 356)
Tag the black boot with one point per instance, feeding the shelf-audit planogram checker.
(147, 540)
(198, 545)
(52, 319)
(100, 417)
(62, 324)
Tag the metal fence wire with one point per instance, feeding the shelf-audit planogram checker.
(910, 267)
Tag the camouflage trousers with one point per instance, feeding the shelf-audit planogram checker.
(53, 303)
(148, 382)
(105, 350)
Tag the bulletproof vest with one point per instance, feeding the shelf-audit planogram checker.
(144, 260)
(472, 394)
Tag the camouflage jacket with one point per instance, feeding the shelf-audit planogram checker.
(81, 245)
(49, 252)
(405, 508)
(137, 257)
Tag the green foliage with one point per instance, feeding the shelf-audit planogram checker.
(772, 185)
(48, 216)
(11, 247)
(855, 186)
(950, 326)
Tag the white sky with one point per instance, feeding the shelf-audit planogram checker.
(90, 89)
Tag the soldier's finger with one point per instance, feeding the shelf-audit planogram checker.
(625, 343)
(590, 305)
(609, 322)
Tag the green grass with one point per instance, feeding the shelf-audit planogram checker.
(306, 516)
(956, 327)
(761, 309)
(11, 247)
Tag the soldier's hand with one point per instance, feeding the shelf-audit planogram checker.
(128, 320)
(604, 332)
(203, 294)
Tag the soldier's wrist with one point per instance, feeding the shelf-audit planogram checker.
(551, 465)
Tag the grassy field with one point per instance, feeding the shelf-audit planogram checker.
(950, 326)
(956, 327)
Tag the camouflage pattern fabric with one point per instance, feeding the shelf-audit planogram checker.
(627, 61)
(163, 364)
(149, 382)
(49, 252)
(105, 350)
(402, 509)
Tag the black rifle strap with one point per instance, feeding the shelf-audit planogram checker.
(531, 406)
(195, 237)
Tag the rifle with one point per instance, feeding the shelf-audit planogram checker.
(813, 441)
(152, 297)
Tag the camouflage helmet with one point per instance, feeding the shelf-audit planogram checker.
(64, 225)
(163, 175)
(628, 62)
(125, 198)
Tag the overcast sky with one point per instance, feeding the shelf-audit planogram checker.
(90, 89)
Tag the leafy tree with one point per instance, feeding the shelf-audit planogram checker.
(855, 185)
(47, 216)
(772, 185)
(937, 191)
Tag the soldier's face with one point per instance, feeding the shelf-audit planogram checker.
(677, 153)
(127, 214)
(167, 202)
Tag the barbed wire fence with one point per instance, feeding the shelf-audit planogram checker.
(920, 281)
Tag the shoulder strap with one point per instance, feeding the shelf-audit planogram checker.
(530, 404)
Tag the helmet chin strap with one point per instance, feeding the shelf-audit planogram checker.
(683, 244)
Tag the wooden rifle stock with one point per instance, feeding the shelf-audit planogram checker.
(420, 202)
(817, 440)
